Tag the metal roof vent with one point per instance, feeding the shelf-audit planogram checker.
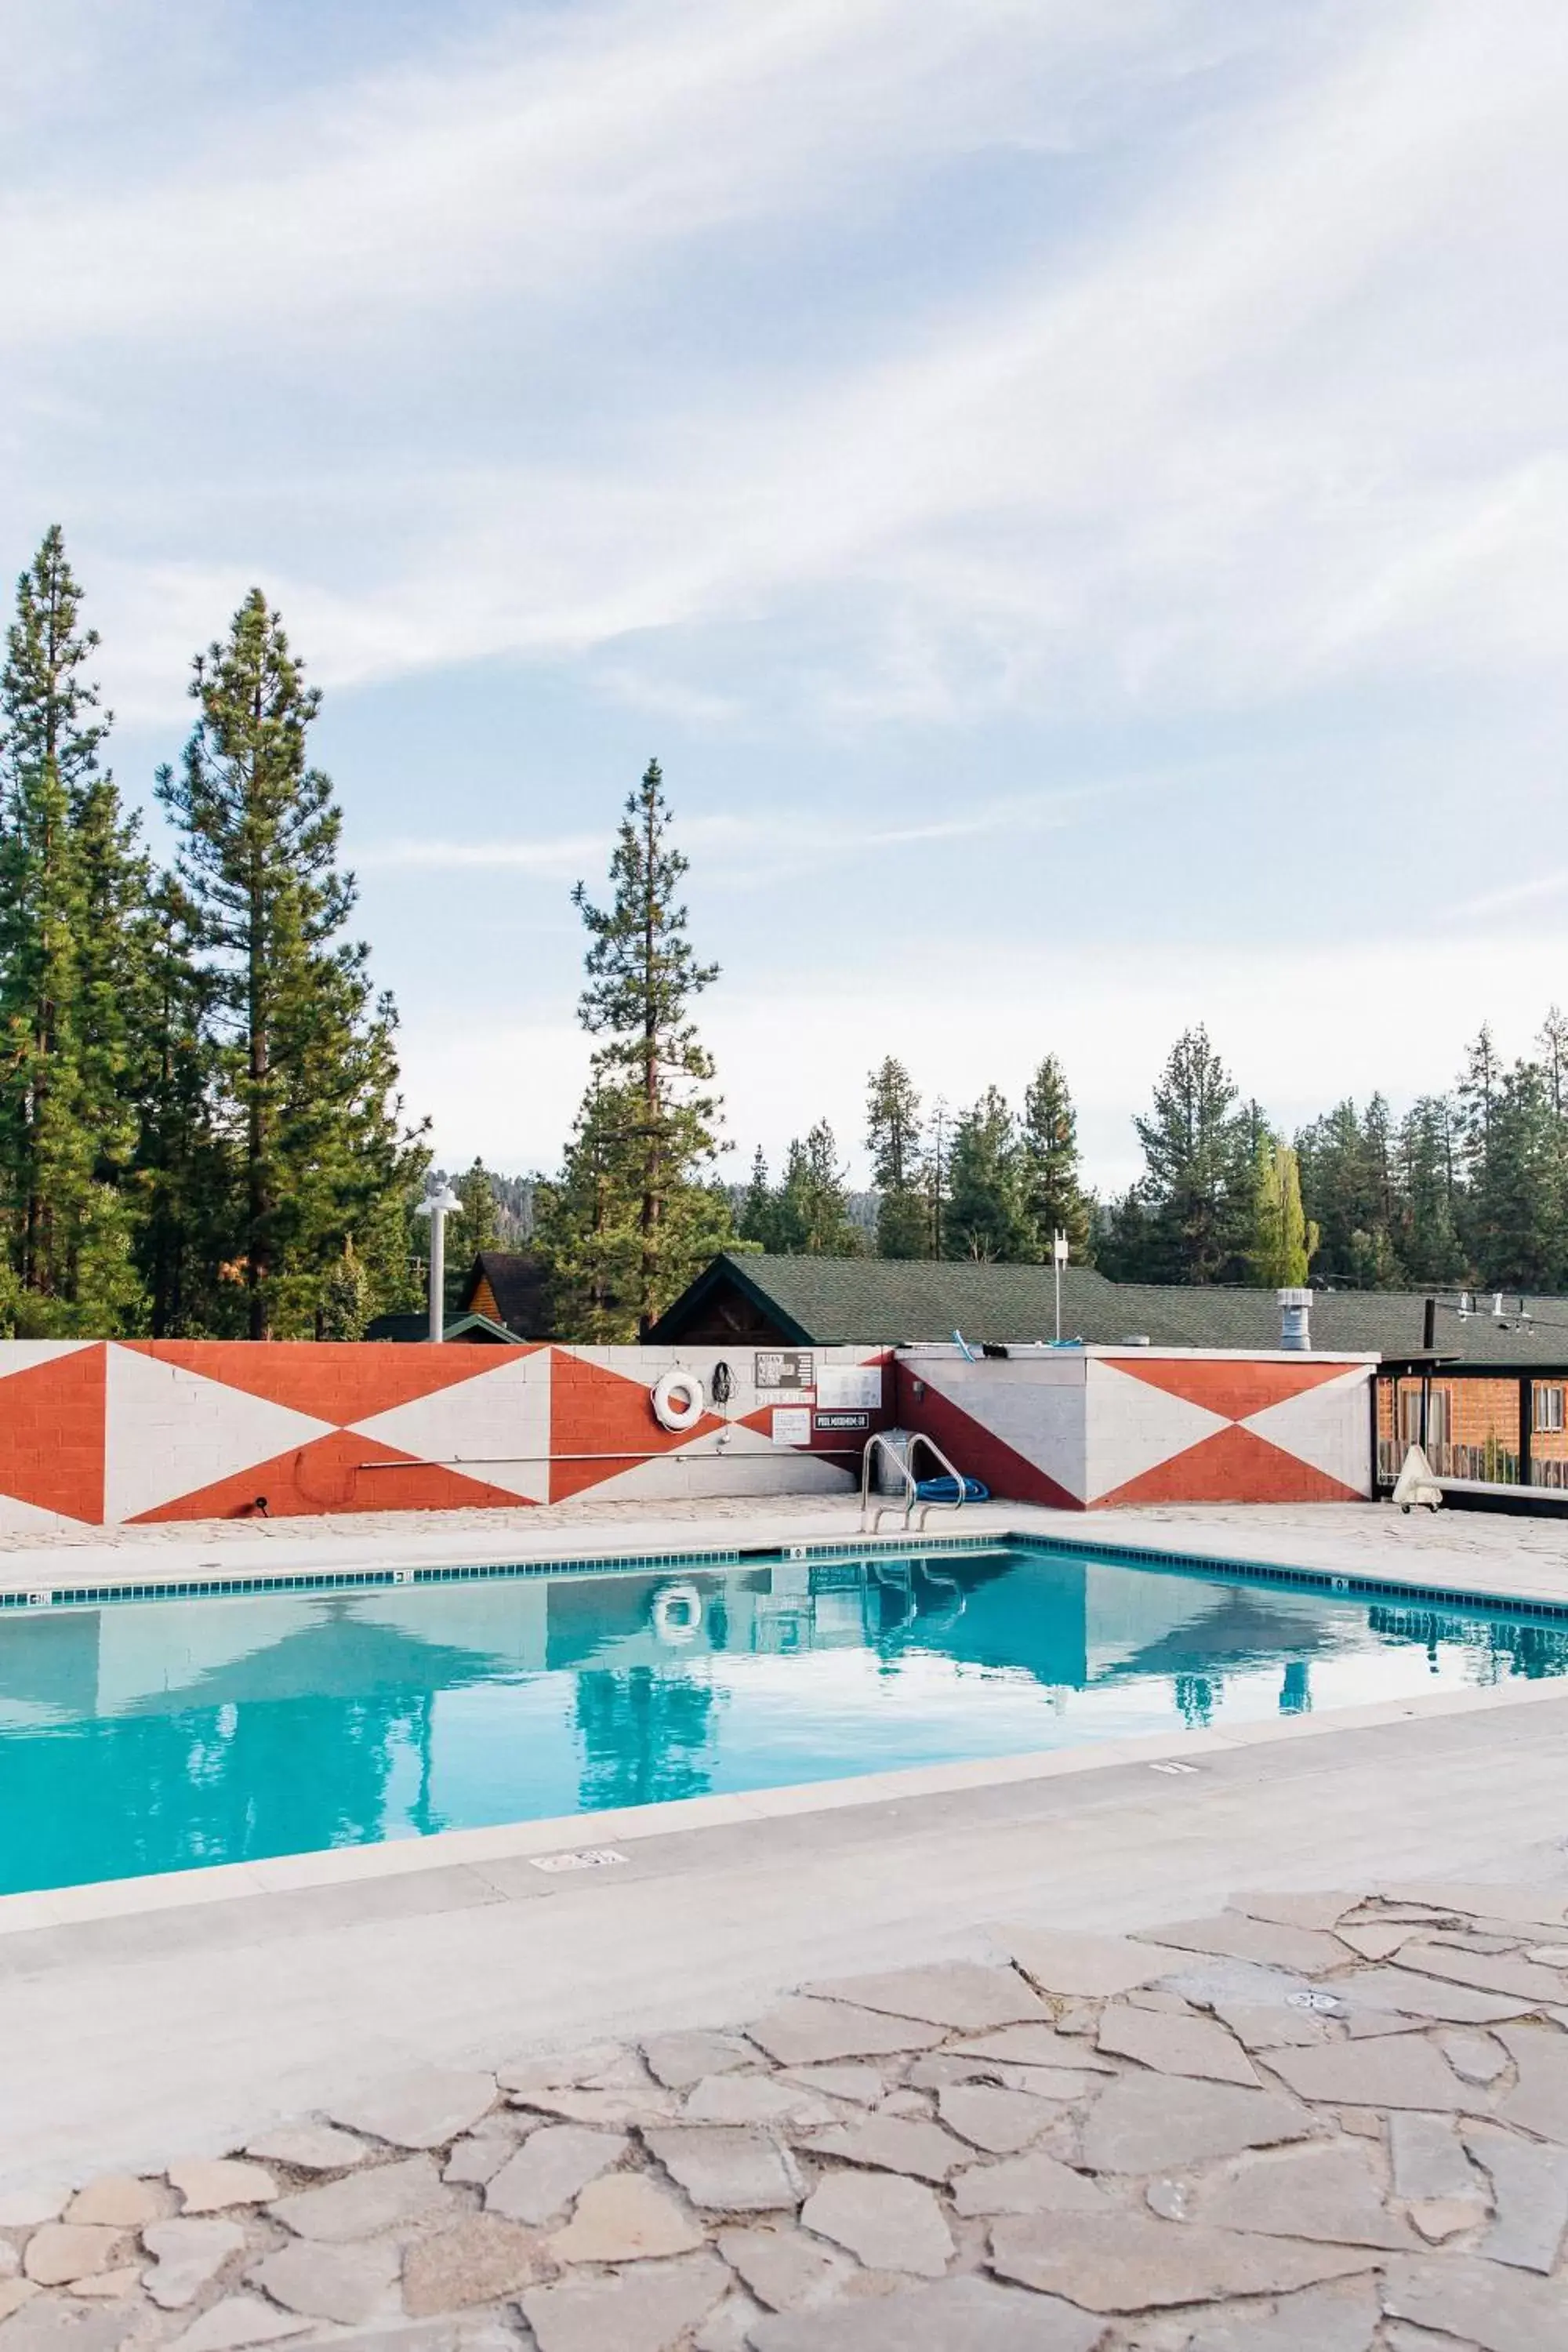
(1295, 1320)
(1137, 1339)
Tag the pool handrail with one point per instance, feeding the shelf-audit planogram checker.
(903, 1464)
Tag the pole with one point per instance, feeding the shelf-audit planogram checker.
(438, 1275)
(1059, 1259)
(438, 1206)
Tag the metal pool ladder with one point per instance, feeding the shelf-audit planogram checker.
(901, 1462)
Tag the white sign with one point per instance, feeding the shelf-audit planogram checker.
(856, 1388)
(792, 1424)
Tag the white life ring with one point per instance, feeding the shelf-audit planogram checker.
(677, 1613)
(678, 1400)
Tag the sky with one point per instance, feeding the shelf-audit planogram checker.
(1075, 497)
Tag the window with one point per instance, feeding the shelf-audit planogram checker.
(1548, 1408)
(1410, 1416)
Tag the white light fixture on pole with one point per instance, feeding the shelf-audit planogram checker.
(1059, 1259)
(438, 1206)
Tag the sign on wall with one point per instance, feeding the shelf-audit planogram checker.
(827, 1422)
(785, 1368)
(851, 1387)
(792, 1424)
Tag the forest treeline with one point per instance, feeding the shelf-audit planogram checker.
(200, 1128)
(1467, 1188)
(202, 1132)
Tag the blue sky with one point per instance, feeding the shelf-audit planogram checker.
(1074, 497)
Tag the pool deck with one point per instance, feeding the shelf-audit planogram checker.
(153, 2021)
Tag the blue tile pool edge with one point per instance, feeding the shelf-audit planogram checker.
(1341, 1585)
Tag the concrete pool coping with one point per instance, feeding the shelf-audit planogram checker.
(638, 1545)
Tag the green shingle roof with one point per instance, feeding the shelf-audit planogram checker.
(832, 1301)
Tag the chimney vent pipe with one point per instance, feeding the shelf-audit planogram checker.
(1295, 1320)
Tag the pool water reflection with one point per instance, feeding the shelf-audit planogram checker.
(173, 1735)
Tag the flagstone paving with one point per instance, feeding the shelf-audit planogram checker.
(1225, 2136)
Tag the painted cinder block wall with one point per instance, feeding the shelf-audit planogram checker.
(106, 1433)
(101, 1433)
(1089, 1428)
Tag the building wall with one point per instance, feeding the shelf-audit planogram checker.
(1085, 1429)
(1480, 1417)
(108, 1432)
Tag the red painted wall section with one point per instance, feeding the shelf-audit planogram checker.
(51, 1433)
(336, 1381)
(977, 1452)
(1234, 1388)
(1234, 1466)
(602, 1423)
(344, 1472)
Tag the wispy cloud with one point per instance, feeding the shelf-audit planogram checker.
(733, 848)
(1512, 894)
(1264, 423)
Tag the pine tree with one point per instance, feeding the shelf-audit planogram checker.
(182, 1175)
(938, 1171)
(987, 1217)
(893, 1140)
(757, 1218)
(71, 882)
(811, 1209)
(1054, 1198)
(1427, 1241)
(1517, 1204)
(305, 1069)
(586, 1222)
(642, 980)
(1553, 1044)
(474, 1229)
(1189, 1147)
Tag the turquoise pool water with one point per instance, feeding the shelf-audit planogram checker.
(172, 1735)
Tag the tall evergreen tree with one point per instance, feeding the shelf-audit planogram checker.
(306, 1073)
(1054, 1198)
(1553, 1044)
(1427, 1241)
(893, 1141)
(757, 1218)
(1189, 1147)
(643, 979)
(1350, 1185)
(182, 1174)
(1517, 1205)
(987, 1215)
(473, 1229)
(71, 882)
(811, 1209)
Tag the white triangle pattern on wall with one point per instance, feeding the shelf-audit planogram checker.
(1134, 1426)
(494, 1427)
(1315, 1427)
(170, 1432)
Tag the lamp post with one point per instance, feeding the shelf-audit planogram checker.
(438, 1206)
(1059, 1259)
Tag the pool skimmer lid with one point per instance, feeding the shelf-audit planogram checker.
(585, 1857)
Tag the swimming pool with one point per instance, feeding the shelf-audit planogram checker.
(152, 1735)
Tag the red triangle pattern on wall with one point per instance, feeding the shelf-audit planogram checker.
(338, 1380)
(1236, 1389)
(986, 1457)
(343, 1472)
(1231, 1465)
(601, 1423)
(51, 1433)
